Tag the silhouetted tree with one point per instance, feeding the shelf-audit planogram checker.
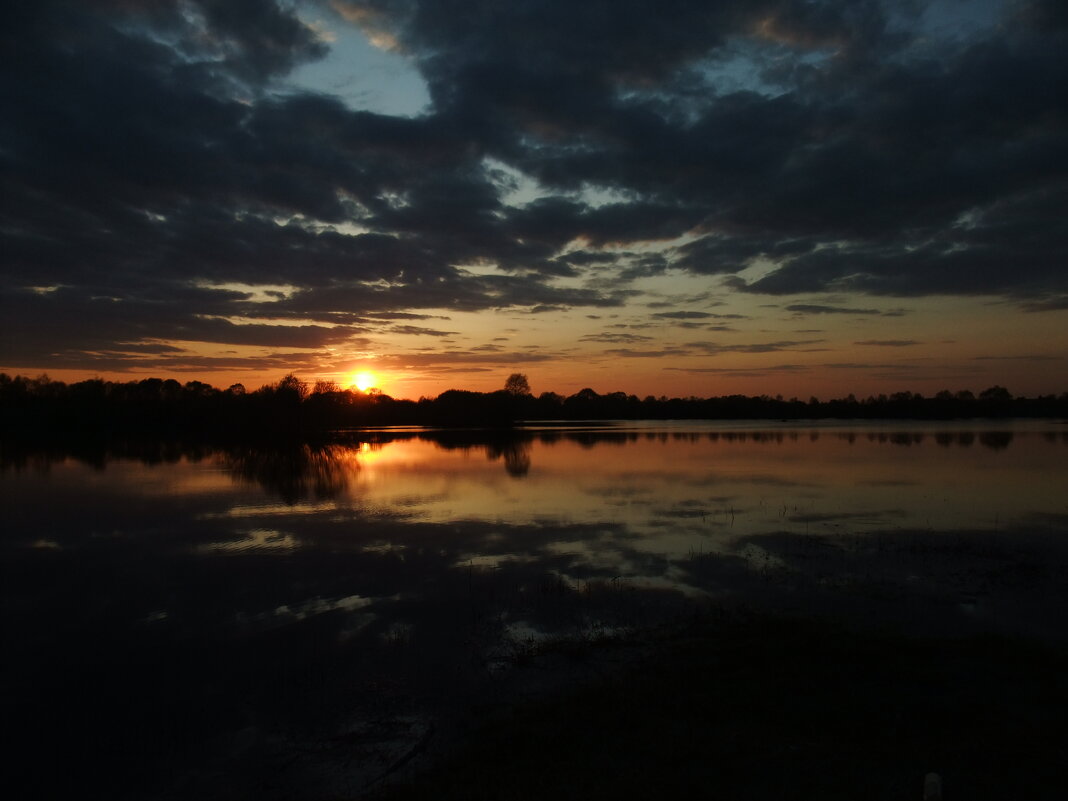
(292, 386)
(517, 384)
(996, 394)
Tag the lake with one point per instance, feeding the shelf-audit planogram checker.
(238, 621)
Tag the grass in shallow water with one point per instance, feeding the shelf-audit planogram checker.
(771, 709)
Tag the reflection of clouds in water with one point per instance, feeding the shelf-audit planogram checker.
(415, 501)
(269, 510)
(257, 539)
(315, 606)
(756, 479)
(626, 491)
(867, 518)
(1003, 581)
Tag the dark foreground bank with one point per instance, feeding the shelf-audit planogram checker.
(758, 707)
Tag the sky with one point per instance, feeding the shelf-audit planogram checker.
(795, 197)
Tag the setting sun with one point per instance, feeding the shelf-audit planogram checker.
(363, 381)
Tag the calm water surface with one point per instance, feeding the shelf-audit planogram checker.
(181, 621)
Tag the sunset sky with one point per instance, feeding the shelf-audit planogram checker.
(801, 197)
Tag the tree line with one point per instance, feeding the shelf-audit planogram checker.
(155, 405)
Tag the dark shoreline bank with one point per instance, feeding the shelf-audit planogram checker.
(765, 706)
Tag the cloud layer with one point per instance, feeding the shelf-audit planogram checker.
(165, 192)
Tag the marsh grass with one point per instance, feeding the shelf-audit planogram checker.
(746, 706)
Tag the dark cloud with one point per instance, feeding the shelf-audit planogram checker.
(416, 330)
(1059, 303)
(743, 372)
(406, 316)
(867, 366)
(715, 348)
(1045, 14)
(615, 337)
(682, 315)
(1035, 357)
(64, 326)
(149, 150)
(815, 308)
(628, 353)
(889, 343)
(434, 359)
(722, 253)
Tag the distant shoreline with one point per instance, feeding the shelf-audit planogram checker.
(292, 409)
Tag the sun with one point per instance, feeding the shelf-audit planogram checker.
(363, 381)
